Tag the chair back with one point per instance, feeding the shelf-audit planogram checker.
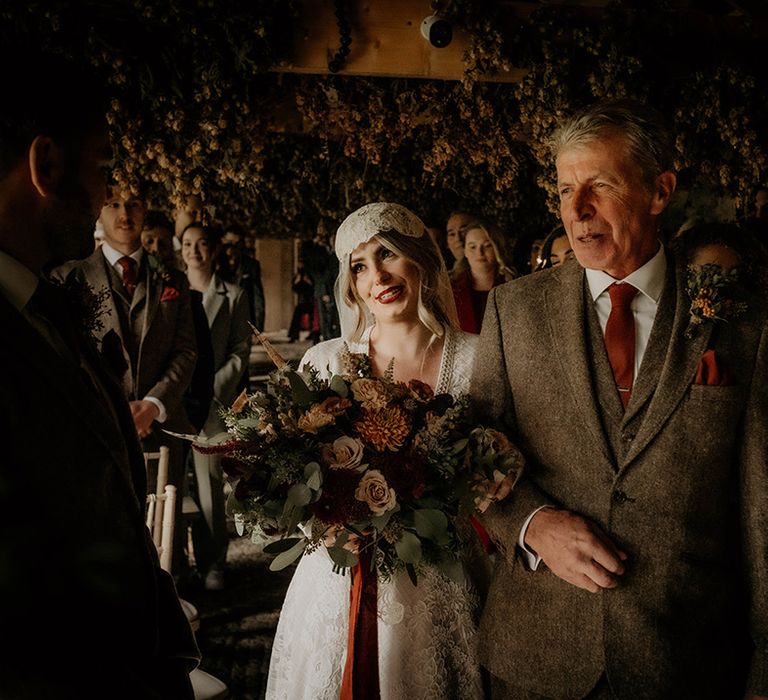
(161, 507)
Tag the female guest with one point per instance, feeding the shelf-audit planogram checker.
(395, 305)
(482, 268)
(556, 249)
(226, 308)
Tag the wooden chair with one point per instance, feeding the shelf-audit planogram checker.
(161, 507)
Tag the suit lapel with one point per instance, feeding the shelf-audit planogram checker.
(97, 274)
(565, 309)
(213, 298)
(658, 344)
(678, 366)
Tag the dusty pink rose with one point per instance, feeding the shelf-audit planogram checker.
(375, 492)
(344, 453)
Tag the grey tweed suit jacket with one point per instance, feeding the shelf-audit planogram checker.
(163, 332)
(678, 481)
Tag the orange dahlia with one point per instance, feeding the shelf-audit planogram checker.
(384, 428)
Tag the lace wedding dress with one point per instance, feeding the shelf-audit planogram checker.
(426, 633)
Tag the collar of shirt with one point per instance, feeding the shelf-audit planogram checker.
(17, 282)
(113, 256)
(648, 279)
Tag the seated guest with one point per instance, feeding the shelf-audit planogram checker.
(483, 267)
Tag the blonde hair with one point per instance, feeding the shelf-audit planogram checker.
(436, 308)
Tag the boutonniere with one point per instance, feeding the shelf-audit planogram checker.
(159, 268)
(86, 307)
(711, 289)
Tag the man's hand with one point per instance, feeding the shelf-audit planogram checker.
(143, 412)
(575, 549)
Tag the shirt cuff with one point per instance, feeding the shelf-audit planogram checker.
(531, 558)
(162, 415)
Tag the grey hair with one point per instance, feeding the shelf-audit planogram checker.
(648, 140)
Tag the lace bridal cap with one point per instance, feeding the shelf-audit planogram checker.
(362, 225)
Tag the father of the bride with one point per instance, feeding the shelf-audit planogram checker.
(635, 550)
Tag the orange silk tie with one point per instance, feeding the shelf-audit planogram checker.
(620, 338)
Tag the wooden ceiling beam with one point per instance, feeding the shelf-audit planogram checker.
(386, 42)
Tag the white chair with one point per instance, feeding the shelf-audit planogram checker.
(161, 507)
(207, 687)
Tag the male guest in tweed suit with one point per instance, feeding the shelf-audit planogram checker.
(634, 551)
(147, 333)
(86, 612)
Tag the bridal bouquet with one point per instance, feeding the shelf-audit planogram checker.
(359, 463)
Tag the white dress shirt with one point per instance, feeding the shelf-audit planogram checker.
(649, 281)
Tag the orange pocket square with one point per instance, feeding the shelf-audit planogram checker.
(711, 372)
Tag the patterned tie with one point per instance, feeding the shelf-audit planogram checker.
(620, 338)
(128, 266)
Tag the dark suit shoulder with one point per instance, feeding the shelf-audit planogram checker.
(78, 269)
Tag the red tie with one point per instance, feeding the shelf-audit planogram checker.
(128, 265)
(620, 338)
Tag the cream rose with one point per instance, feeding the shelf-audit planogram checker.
(375, 492)
(344, 453)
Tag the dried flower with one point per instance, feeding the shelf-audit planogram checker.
(375, 492)
(384, 428)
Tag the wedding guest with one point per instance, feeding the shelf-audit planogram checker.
(730, 246)
(555, 250)
(454, 237)
(157, 239)
(318, 259)
(535, 254)
(302, 313)
(226, 308)
(482, 268)
(633, 558)
(237, 265)
(86, 610)
(397, 307)
(147, 331)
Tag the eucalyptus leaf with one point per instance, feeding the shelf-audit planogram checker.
(339, 386)
(381, 521)
(233, 506)
(302, 394)
(239, 524)
(431, 525)
(289, 556)
(408, 548)
(342, 557)
(299, 495)
(313, 476)
(460, 445)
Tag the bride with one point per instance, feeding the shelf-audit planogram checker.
(395, 303)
